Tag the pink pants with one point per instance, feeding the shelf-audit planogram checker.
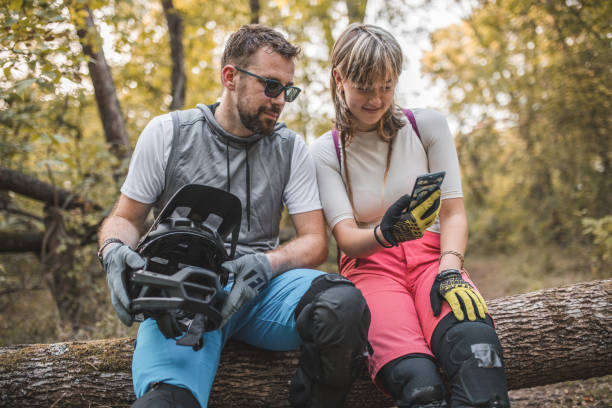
(396, 283)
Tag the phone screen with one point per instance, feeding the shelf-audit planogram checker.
(425, 185)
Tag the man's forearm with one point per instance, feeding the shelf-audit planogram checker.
(306, 251)
(118, 227)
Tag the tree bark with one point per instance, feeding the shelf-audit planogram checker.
(21, 241)
(548, 336)
(255, 7)
(176, 30)
(32, 187)
(56, 267)
(356, 10)
(104, 88)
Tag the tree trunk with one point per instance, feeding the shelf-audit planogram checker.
(56, 266)
(548, 336)
(104, 87)
(178, 78)
(255, 7)
(356, 10)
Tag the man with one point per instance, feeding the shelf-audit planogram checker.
(237, 145)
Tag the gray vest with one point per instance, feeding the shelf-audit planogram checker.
(256, 169)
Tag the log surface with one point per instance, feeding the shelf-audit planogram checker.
(548, 336)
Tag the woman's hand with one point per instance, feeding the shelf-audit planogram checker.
(400, 224)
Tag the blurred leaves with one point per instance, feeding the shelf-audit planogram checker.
(601, 231)
(530, 83)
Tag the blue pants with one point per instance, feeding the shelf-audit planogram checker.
(266, 322)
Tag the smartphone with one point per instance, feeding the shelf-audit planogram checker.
(424, 185)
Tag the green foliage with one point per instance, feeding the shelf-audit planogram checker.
(601, 232)
(536, 77)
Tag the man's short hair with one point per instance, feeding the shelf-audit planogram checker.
(250, 38)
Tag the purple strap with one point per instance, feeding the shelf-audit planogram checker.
(408, 114)
(412, 120)
(337, 146)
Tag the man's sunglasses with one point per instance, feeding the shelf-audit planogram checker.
(274, 88)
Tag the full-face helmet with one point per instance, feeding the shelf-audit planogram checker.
(181, 284)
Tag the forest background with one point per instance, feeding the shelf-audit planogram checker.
(526, 86)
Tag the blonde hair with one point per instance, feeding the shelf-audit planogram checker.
(364, 54)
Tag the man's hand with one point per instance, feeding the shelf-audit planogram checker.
(251, 274)
(117, 260)
(449, 285)
(399, 224)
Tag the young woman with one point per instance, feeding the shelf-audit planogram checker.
(426, 312)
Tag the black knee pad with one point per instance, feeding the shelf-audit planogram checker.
(414, 381)
(471, 356)
(332, 319)
(162, 395)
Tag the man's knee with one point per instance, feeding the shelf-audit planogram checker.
(413, 381)
(332, 319)
(471, 356)
(162, 395)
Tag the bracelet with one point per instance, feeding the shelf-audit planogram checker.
(451, 252)
(446, 273)
(106, 243)
(382, 244)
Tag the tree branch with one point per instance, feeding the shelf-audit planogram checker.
(21, 241)
(30, 186)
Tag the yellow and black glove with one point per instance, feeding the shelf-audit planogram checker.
(450, 286)
(400, 224)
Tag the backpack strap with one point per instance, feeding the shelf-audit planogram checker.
(337, 146)
(412, 120)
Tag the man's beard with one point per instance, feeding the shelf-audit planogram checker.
(253, 122)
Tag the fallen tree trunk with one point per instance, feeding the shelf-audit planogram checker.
(548, 336)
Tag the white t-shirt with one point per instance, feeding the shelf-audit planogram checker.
(146, 175)
(366, 161)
